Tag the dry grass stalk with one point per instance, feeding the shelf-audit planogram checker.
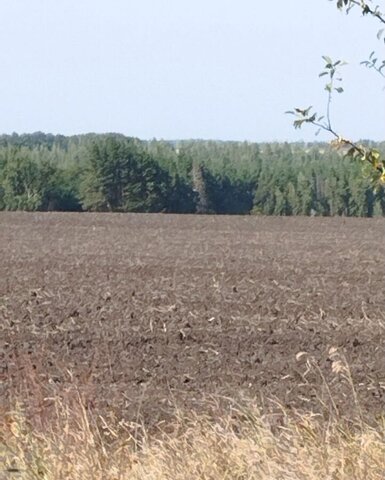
(238, 446)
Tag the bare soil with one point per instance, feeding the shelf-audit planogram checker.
(142, 313)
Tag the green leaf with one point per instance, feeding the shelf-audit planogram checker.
(342, 3)
(328, 60)
(328, 87)
(298, 123)
(303, 111)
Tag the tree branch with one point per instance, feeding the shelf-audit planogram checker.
(366, 9)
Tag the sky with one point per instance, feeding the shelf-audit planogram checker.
(178, 69)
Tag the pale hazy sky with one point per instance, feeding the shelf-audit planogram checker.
(220, 69)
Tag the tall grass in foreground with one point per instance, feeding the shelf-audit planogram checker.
(238, 445)
(68, 441)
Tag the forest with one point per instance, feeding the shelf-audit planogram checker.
(115, 173)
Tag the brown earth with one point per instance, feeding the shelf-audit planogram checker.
(142, 313)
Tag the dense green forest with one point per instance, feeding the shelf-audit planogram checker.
(112, 172)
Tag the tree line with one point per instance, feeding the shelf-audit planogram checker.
(114, 173)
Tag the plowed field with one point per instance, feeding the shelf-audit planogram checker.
(142, 313)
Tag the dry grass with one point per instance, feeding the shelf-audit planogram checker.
(242, 444)
(62, 437)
